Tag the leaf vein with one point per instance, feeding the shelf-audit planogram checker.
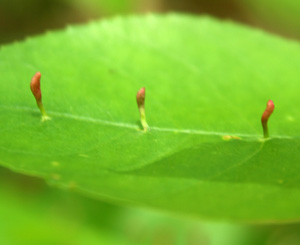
(137, 128)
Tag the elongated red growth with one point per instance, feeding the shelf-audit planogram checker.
(265, 117)
(35, 86)
(140, 97)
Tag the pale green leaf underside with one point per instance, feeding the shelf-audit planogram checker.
(204, 79)
(36, 215)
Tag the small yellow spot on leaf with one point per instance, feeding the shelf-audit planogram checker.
(290, 118)
(55, 164)
(230, 137)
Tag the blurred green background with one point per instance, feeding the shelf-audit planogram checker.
(34, 213)
(31, 212)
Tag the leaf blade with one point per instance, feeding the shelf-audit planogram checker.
(198, 91)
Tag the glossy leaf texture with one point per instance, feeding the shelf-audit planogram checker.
(206, 81)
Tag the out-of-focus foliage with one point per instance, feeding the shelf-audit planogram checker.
(280, 15)
(107, 7)
(32, 213)
(19, 18)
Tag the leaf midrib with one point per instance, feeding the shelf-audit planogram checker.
(252, 137)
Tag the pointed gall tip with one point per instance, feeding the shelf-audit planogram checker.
(267, 113)
(35, 86)
(270, 105)
(140, 97)
(38, 74)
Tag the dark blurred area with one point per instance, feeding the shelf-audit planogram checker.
(19, 18)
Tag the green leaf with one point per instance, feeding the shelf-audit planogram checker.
(38, 215)
(205, 80)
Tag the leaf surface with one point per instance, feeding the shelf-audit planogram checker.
(205, 80)
(38, 215)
